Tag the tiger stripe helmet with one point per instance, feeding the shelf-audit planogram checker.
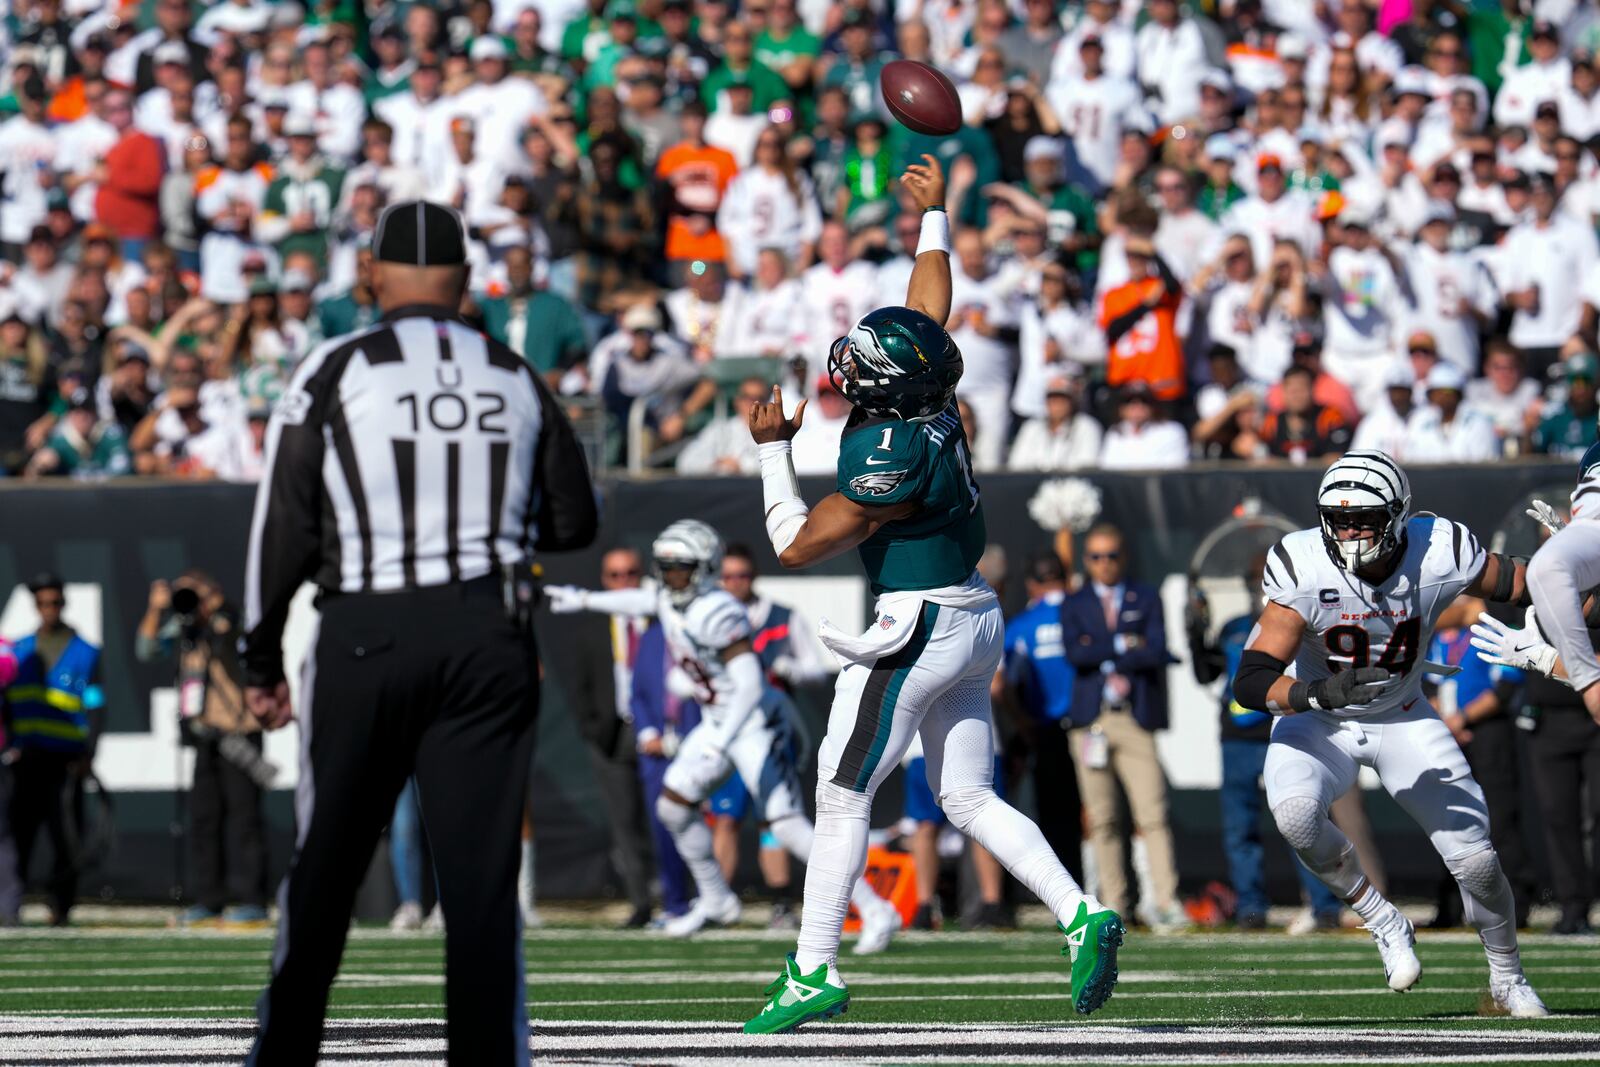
(1367, 489)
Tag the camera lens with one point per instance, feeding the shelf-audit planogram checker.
(185, 601)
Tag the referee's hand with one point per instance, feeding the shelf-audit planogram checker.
(270, 705)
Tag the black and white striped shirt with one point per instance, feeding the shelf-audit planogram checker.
(414, 453)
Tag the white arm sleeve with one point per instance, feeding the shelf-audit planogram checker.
(743, 695)
(1568, 564)
(621, 601)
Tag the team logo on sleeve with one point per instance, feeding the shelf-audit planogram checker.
(877, 483)
(294, 407)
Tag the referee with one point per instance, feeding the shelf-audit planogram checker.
(411, 469)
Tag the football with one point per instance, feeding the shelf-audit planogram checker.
(920, 97)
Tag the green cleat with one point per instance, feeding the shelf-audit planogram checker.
(799, 998)
(1092, 943)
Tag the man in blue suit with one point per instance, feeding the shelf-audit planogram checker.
(660, 721)
(1115, 636)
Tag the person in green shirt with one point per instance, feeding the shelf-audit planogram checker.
(739, 63)
(856, 70)
(297, 210)
(81, 446)
(585, 35)
(1570, 429)
(865, 194)
(391, 71)
(535, 323)
(1493, 29)
(982, 166)
(1219, 192)
(355, 309)
(788, 47)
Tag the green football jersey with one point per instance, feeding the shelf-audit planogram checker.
(887, 461)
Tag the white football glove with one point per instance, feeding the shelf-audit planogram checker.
(1546, 516)
(566, 599)
(1523, 649)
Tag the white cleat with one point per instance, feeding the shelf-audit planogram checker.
(407, 916)
(435, 920)
(1516, 998)
(877, 927)
(722, 913)
(1397, 944)
(531, 919)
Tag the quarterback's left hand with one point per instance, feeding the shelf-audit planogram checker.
(1523, 649)
(1546, 516)
(767, 423)
(566, 599)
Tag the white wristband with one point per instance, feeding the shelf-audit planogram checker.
(780, 492)
(935, 232)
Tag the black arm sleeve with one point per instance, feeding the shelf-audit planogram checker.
(568, 516)
(1257, 672)
(1205, 658)
(286, 530)
(1123, 323)
(1169, 280)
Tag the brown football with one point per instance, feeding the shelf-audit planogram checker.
(920, 97)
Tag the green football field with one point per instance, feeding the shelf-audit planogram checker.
(150, 996)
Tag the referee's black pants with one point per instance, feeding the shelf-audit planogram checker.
(435, 682)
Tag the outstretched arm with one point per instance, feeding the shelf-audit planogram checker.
(1262, 685)
(929, 288)
(570, 599)
(799, 535)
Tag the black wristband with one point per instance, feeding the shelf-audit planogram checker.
(1300, 697)
(935, 207)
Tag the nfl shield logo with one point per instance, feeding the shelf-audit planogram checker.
(885, 621)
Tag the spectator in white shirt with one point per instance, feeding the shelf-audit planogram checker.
(703, 311)
(1171, 57)
(737, 127)
(1452, 296)
(765, 322)
(1384, 427)
(1360, 302)
(1100, 19)
(1057, 334)
(1065, 438)
(1144, 439)
(725, 445)
(1547, 260)
(501, 105)
(1274, 213)
(816, 443)
(1446, 430)
(1093, 105)
(770, 204)
(1504, 393)
(983, 326)
(1543, 78)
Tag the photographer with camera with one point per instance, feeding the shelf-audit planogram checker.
(190, 623)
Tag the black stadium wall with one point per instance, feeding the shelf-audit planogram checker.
(110, 541)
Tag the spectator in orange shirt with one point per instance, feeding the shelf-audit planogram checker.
(1304, 430)
(694, 175)
(1139, 318)
(1328, 391)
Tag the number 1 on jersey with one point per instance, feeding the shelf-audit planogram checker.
(886, 442)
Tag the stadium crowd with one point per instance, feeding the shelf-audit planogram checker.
(1245, 230)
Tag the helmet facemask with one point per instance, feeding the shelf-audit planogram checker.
(1383, 523)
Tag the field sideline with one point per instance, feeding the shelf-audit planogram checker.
(103, 996)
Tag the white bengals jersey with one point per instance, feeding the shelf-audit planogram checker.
(1351, 623)
(697, 635)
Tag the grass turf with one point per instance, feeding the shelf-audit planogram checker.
(605, 996)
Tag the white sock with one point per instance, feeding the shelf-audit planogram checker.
(1371, 904)
(1016, 842)
(694, 846)
(797, 835)
(525, 876)
(838, 856)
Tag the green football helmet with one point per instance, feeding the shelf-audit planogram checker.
(896, 364)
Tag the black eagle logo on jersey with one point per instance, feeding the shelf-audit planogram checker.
(877, 483)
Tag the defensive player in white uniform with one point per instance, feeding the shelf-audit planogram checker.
(1352, 606)
(907, 499)
(743, 728)
(1562, 578)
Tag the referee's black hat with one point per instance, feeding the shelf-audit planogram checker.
(420, 234)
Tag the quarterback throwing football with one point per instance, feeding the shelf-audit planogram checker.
(908, 501)
(1352, 605)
